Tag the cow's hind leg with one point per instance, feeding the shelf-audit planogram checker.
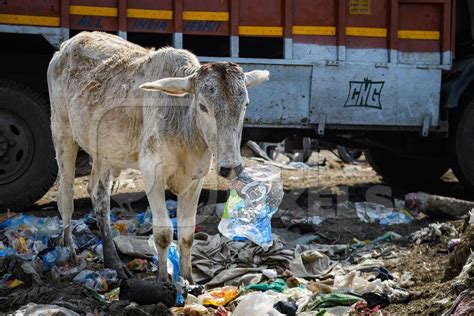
(187, 206)
(66, 153)
(99, 189)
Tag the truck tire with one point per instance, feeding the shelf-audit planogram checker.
(461, 141)
(27, 161)
(349, 155)
(404, 170)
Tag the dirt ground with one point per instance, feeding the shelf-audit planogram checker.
(327, 189)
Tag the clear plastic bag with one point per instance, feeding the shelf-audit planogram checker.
(254, 197)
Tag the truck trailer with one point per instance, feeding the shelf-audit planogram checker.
(392, 77)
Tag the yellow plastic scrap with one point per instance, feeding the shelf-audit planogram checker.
(21, 246)
(219, 296)
(121, 227)
(13, 283)
(112, 295)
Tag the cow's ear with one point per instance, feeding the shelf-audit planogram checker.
(256, 77)
(177, 87)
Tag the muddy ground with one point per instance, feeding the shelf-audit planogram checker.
(326, 190)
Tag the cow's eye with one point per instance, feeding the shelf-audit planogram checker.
(247, 104)
(203, 107)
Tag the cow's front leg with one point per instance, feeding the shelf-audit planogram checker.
(99, 190)
(187, 206)
(162, 226)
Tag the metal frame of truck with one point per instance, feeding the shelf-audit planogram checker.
(363, 73)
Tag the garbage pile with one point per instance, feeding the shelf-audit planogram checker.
(247, 268)
(37, 241)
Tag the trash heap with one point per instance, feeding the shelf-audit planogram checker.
(247, 268)
(37, 242)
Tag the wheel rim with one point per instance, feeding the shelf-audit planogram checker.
(16, 146)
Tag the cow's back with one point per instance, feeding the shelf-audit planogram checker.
(93, 82)
(93, 91)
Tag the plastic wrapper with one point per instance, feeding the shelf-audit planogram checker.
(83, 236)
(56, 257)
(19, 243)
(97, 281)
(372, 212)
(254, 197)
(219, 296)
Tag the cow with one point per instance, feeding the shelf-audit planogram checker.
(157, 111)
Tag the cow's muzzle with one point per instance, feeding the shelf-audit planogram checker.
(231, 172)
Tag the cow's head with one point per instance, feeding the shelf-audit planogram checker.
(220, 98)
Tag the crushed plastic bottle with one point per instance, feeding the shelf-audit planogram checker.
(254, 197)
(97, 281)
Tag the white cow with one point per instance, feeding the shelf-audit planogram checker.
(171, 134)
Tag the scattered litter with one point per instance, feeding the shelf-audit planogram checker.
(453, 243)
(310, 263)
(331, 300)
(375, 300)
(242, 272)
(56, 256)
(256, 303)
(33, 309)
(386, 237)
(97, 281)
(254, 197)
(278, 286)
(138, 265)
(9, 282)
(217, 260)
(190, 309)
(219, 296)
(371, 212)
(286, 307)
(435, 232)
(299, 165)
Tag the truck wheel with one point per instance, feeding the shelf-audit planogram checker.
(404, 170)
(27, 161)
(462, 146)
(349, 155)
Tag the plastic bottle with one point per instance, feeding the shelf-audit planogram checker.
(254, 197)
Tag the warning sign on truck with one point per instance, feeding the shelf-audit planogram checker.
(359, 6)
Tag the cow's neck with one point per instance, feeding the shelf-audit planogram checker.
(197, 129)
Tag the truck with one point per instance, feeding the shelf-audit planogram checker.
(392, 77)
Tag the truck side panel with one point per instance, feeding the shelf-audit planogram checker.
(395, 31)
(346, 62)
